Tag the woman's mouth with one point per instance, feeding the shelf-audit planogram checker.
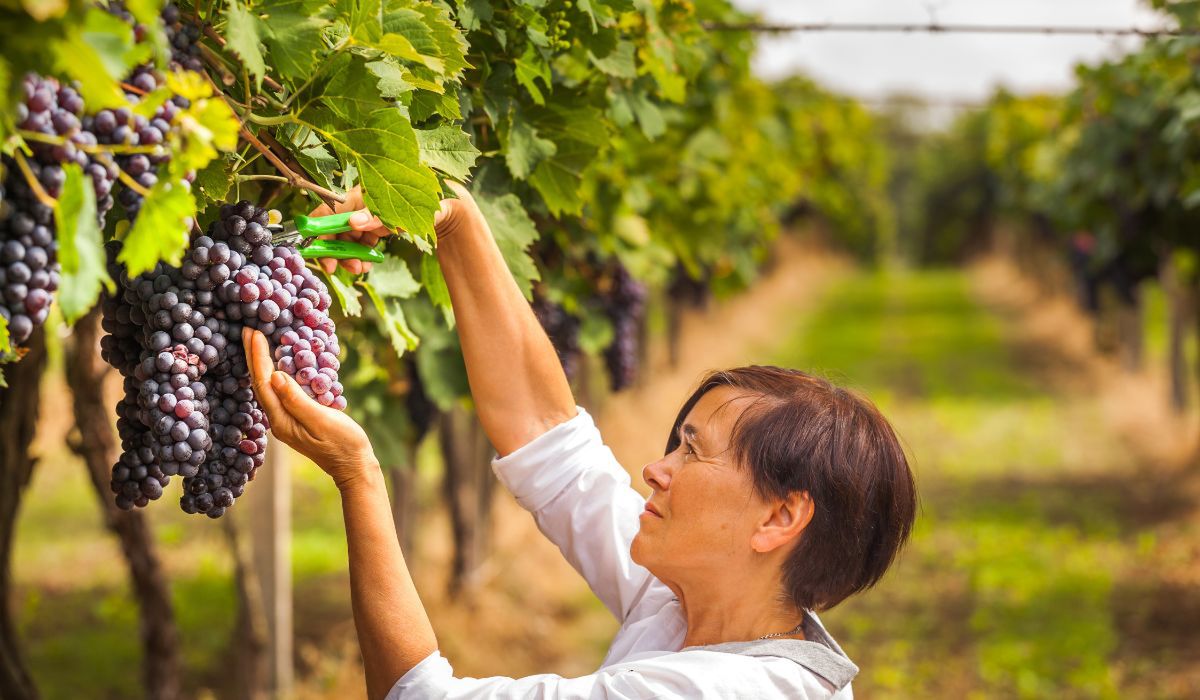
(652, 510)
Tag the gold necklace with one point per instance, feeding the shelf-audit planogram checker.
(795, 631)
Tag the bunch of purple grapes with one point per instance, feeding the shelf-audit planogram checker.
(175, 334)
(29, 270)
(625, 305)
(563, 330)
(182, 38)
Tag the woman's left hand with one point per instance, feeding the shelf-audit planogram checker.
(328, 437)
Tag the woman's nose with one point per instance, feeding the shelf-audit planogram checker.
(657, 475)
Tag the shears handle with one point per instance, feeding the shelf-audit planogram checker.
(340, 250)
(310, 226)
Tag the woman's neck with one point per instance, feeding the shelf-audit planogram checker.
(734, 611)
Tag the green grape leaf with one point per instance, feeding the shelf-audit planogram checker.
(451, 44)
(391, 315)
(449, 149)
(160, 231)
(529, 67)
(435, 287)
(344, 92)
(401, 191)
(243, 37)
(619, 63)
(439, 357)
(399, 46)
(595, 333)
(97, 53)
(514, 231)
(342, 284)
(472, 14)
(213, 182)
(392, 278)
(628, 106)
(408, 37)
(80, 248)
(426, 104)
(422, 78)
(524, 149)
(603, 12)
(390, 79)
(5, 345)
(293, 34)
(578, 134)
(207, 126)
(558, 178)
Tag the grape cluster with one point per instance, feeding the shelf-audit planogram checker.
(175, 334)
(183, 38)
(29, 270)
(563, 330)
(558, 26)
(693, 292)
(121, 127)
(625, 305)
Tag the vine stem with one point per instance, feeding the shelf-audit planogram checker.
(94, 150)
(131, 183)
(269, 178)
(293, 179)
(269, 121)
(43, 196)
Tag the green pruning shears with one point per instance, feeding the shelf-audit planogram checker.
(302, 233)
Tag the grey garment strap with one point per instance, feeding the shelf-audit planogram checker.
(817, 652)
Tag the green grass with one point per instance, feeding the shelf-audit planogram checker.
(1004, 590)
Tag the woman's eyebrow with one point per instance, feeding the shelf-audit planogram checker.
(688, 433)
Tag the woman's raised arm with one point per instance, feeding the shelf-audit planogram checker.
(519, 386)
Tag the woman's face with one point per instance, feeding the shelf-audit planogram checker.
(703, 510)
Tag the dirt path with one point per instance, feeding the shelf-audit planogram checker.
(1156, 600)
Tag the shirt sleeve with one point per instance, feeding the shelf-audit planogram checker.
(690, 676)
(582, 501)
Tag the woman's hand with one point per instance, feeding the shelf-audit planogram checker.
(368, 230)
(364, 228)
(328, 437)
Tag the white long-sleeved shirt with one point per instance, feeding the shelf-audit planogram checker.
(582, 500)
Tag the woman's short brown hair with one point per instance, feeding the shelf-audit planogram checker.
(803, 433)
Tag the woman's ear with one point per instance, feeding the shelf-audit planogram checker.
(784, 522)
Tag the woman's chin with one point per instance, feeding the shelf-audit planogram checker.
(637, 549)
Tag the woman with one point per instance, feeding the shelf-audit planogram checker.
(778, 494)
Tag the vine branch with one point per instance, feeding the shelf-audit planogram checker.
(34, 184)
(293, 178)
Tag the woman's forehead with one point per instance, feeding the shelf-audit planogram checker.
(718, 410)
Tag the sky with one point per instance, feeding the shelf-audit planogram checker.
(954, 68)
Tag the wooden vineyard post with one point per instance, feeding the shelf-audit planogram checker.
(271, 541)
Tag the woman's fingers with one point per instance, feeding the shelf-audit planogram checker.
(363, 220)
(258, 356)
(298, 404)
